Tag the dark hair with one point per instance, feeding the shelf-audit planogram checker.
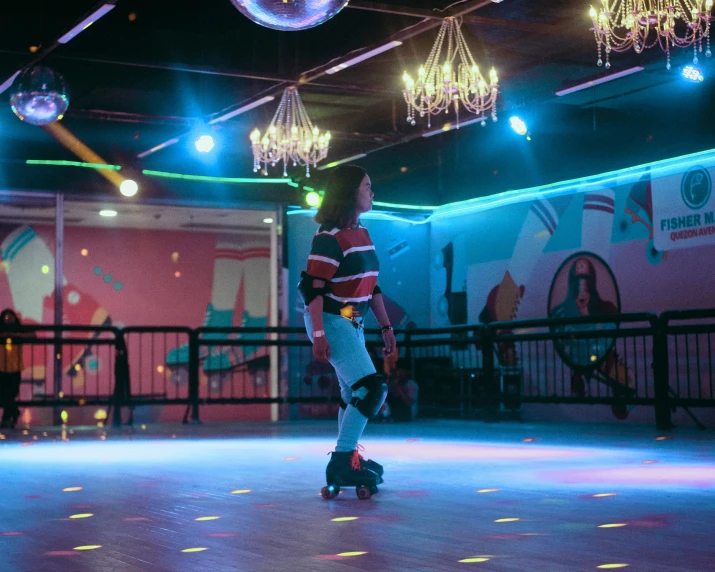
(338, 206)
(7, 312)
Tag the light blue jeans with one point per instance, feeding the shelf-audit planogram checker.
(351, 362)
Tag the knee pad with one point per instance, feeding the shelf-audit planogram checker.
(343, 405)
(376, 387)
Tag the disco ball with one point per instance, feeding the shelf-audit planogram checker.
(39, 96)
(289, 15)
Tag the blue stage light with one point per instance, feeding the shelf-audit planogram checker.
(204, 143)
(518, 125)
(693, 74)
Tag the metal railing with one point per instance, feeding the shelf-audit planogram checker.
(621, 360)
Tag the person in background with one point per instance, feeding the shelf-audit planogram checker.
(11, 366)
(402, 393)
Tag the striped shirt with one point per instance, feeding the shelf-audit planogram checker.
(346, 260)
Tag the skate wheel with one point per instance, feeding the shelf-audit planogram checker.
(620, 411)
(329, 492)
(374, 490)
(363, 493)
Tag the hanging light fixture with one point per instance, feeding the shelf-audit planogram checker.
(620, 25)
(444, 83)
(291, 136)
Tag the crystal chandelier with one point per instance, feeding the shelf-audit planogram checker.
(291, 136)
(440, 85)
(620, 25)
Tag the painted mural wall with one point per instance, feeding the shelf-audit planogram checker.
(637, 247)
(130, 277)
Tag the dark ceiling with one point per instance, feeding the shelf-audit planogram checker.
(150, 71)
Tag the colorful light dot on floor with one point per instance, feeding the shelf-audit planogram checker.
(613, 566)
(613, 525)
(487, 490)
(291, 458)
(649, 462)
(240, 491)
(202, 518)
(344, 518)
(351, 553)
(71, 489)
(663, 438)
(88, 547)
(530, 439)
(194, 549)
(601, 495)
(82, 515)
(507, 519)
(475, 559)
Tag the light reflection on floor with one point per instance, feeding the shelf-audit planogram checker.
(196, 498)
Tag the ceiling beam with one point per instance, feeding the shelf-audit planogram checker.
(535, 27)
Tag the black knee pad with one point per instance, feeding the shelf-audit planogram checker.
(370, 405)
(343, 405)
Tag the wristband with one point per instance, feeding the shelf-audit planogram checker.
(319, 334)
(386, 329)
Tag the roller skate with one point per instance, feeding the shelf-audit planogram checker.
(345, 470)
(373, 466)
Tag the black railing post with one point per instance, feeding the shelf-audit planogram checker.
(194, 376)
(660, 373)
(490, 370)
(121, 379)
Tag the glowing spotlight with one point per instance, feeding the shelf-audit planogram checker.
(204, 143)
(268, 220)
(487, 490)
(71, 489)
(477, 559)
(507, 519)
(240, 491)
(100, 414)
(693, 74)
(84, 252)
(601, 495)
(128, 188)
(88, 547)
(194, 549)
(312, 199)
(518, 125)
(203, 518)
(613, 525)
(64, 416)
(45, 269)
(613, 566)
(352, 553)
(344, 518)
(83, 515)
(107, 213)
(160, 369)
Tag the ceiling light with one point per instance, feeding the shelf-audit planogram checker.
(107, 213)
(341, 161)
(693, 74)
(9, 81)
(444, 82)
(268, 220)
(620, 26)
(600, 80)
(242, 109)
(128, 188)
(86, 23)
(204, 143)
(518, 125)
(363, 57)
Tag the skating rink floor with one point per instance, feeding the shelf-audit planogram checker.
(457, 496)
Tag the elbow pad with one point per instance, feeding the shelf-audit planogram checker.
(306, 289)
(376, 290)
